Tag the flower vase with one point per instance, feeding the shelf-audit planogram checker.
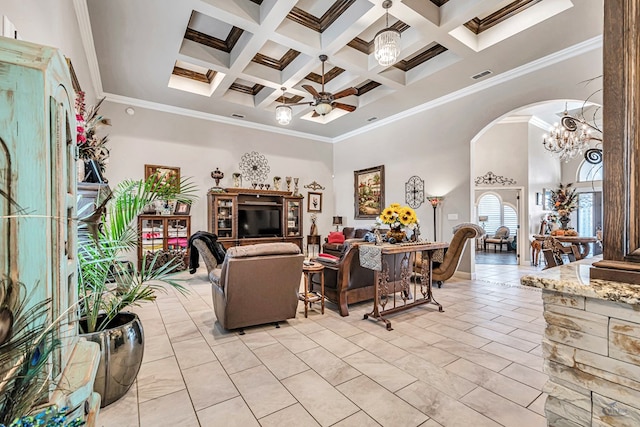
(564, 220)
(396, 235)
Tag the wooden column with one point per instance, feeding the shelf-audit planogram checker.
(621, 145)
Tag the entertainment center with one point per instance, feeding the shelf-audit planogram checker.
(244, 216)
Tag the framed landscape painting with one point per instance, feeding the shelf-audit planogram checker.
(369, 192)
(170, 174)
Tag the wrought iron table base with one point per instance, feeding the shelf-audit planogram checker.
(422, 283)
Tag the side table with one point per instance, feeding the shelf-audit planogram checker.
(309, 269)
(313, 239)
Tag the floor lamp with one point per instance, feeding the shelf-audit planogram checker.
(435, 201)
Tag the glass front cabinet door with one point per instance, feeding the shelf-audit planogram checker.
(293, 218)
(223, 218)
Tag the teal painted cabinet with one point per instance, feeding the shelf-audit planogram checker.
(37, 170)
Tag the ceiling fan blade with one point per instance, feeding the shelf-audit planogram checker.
(312, 90)
(315, 114)
(299, 103)
(345, 107)
(346, 92)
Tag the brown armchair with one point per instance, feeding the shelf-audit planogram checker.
(257, 284)
(451, 259)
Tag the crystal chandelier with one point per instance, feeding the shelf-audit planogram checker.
(283, 112)
(569, 138)
(387, 41)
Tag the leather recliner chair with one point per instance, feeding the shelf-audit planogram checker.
(257, 284)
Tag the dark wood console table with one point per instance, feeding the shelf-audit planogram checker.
(385, 290)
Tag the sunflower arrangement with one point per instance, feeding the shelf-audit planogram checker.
(398, 217)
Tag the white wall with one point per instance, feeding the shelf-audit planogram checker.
(52, 23)
(435, 144)
(197, 147)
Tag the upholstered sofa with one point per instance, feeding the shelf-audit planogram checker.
(336, 246)
(257, 284)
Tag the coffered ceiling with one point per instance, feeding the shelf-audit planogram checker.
(227, 59)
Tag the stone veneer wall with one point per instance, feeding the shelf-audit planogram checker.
(592, 356)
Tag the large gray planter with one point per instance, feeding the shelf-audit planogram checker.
(121, 351)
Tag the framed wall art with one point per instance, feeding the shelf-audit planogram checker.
(547, 205)
(369, 192)
(171, 174)
(314, 202)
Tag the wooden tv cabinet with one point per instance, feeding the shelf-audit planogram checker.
(223, 208)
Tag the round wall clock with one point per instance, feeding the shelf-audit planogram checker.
(414, 192)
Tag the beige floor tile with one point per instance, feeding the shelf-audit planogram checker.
(328, 366)
(481, 357)
(280, 361)
(380, 404)
(451, 384)
(441, 408)
(384, 373)
(461, 336)
(419, 333)
(379, 347)
(216, 334)
(181, 331)
(426, 351)
(502, 410)
(531, 360)
(334, 343)
(256, 339)
(359, 419)
(526, 335)
(235, 356)
(208, 385)
(525, 375)
(538, 405)
(338, 326)
(171, 410)
(156, 347)
(294, 415)
(231, 413)
(153, 327)
(527, 326)
(203, 317)
(509, 340)
(262, 391)
(193, 352)
(293, 339)
(504, 386)
(174, 314)
(159, 378)
(325, 404)
(121, 413)
(431, 423)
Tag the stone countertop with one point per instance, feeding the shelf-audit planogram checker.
(573, 278)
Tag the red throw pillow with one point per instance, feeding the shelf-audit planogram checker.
(335, 237)
(328, 256)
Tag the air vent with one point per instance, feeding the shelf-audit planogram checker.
(237, 116)
(481, 74)
(371, 119)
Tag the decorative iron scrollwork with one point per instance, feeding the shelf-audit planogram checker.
(314, 186)
(414, 192)
(491, 178)
(254, 167)
(593, 156)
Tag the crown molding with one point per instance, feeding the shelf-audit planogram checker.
(86, 35)
(210, 117)
(554, 58)
(537, 121)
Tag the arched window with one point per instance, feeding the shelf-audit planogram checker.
(497, 213)
(589, 172)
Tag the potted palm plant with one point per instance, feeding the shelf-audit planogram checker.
(101, 249)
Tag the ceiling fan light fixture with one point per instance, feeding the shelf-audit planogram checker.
(387, 42)
(283, 112)
(323, 108)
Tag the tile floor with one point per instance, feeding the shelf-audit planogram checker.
(477, 364)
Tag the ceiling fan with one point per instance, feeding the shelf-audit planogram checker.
(324, 102)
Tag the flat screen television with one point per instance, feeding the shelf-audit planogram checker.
(259, 221)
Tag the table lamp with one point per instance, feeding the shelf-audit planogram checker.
(483, 219)
(337, 221)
